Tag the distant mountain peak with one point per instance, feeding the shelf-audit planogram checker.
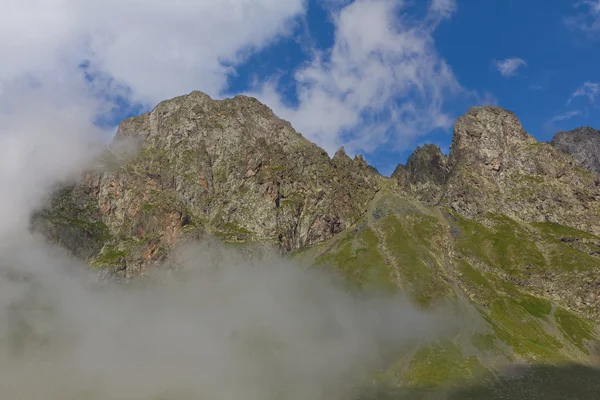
(583, 144)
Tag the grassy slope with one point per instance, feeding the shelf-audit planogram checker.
(490, 268)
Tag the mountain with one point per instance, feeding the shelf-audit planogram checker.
(504, 228)
(495, 166)
(227, 168)
(583, 144)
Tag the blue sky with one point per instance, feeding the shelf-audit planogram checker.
(378, 77)
(559, 60)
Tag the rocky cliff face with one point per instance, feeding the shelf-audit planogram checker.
(232, 169)
(229, 168)
(424, 174)
(495, 166)
(583, 144)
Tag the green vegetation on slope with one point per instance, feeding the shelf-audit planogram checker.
(522, 332)
(501, 264)
(413, 247)
(575, 328)
(360, 261)
(440, 363)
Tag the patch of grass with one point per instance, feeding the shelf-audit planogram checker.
(566, 258)
(109, 257)
(413, 247)
(233, 231)
(522, 332)
(558, 230)
(359, 260)
(485, 342)
(561, 255)
(480, 285)
(97, 229)
(535, 306)
(278, 168)
(505, 245)
(291, 204)
(575, 328)
(441, 363)
(148, 207)
(473, 277)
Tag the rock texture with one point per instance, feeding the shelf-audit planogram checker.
(583, 144)
(497, 167)
(424, 174)
(230, 168)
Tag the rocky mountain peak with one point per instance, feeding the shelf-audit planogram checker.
(230, 168)
(341, 156)
(424, 173)
(583, 144)
(427, 164)
(487, 136)
(361, 163)
(497, 167)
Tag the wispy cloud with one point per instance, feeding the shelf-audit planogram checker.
(381, 82)
(484, 99)
(563, 117)
(509, 66)
(552, 124)
(588, 89)
(443, 8)
(587, 20)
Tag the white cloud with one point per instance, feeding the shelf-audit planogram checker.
(589, 89)
(509, 66)
(444, 8)
(483, 98)
(159, 49)
(587, 21)
(563, 117)
(382, 82)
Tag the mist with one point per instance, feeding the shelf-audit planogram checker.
(221, 326)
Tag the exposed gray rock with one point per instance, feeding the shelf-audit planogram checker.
(230, 168)
(583, 144)
(424, 174)
(497, 167)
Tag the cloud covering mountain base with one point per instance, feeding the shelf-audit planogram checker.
(221, 326)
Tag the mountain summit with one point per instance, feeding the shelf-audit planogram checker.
(228, 168)
(495, 166)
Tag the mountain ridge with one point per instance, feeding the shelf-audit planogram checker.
(504, 227)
